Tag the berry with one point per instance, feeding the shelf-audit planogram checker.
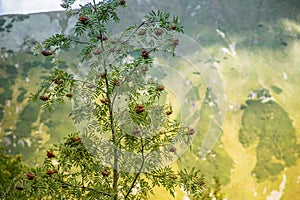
(50, 154)
(142, 32)
(160, 88)
(76, 139)
(103, 38)
(97, 51)
(105, 172)
(122, 2)
(105, 101)
(159, 32)
(50, 172)
(191, 131)
(145, 54)
(64, 5)
(83, 19)
(173, 149)
(176, 42)
(44, 98)
(69, 95)
(46, 53)
(139, 108)
(30, 176)
(173, 27)
(19, 187)
(102, 75)
(58, 81)
(169, 112)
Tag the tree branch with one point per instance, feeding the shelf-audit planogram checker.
(137, 28)
(82, 187)
(111, 116)
(140, 171)
(80, 42)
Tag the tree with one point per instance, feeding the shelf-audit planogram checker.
(126, 132)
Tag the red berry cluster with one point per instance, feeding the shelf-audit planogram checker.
(50, 154)
(30, 176)
(69, 95)
(160, 88)
(84, 19)
(58, 81)
(64, 5)
(44, 98)
(145, 54)
(101, 75)
(105, 172)
(46, 53)
(122, 2)
(105, 101)
(159, 32)
(172, 149)
(142, 32)
(97, 51)
(18, 187)
(176, 42)
(139, 108)
(191, 131)
(50, 172)
(76, 139)
(174, 27)
(169, 112)
(103, 38)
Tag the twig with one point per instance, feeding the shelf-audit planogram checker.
(80, 42)
(137, 28)
(140, 171)
(82, 187)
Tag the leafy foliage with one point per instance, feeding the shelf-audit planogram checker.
(11, 168)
